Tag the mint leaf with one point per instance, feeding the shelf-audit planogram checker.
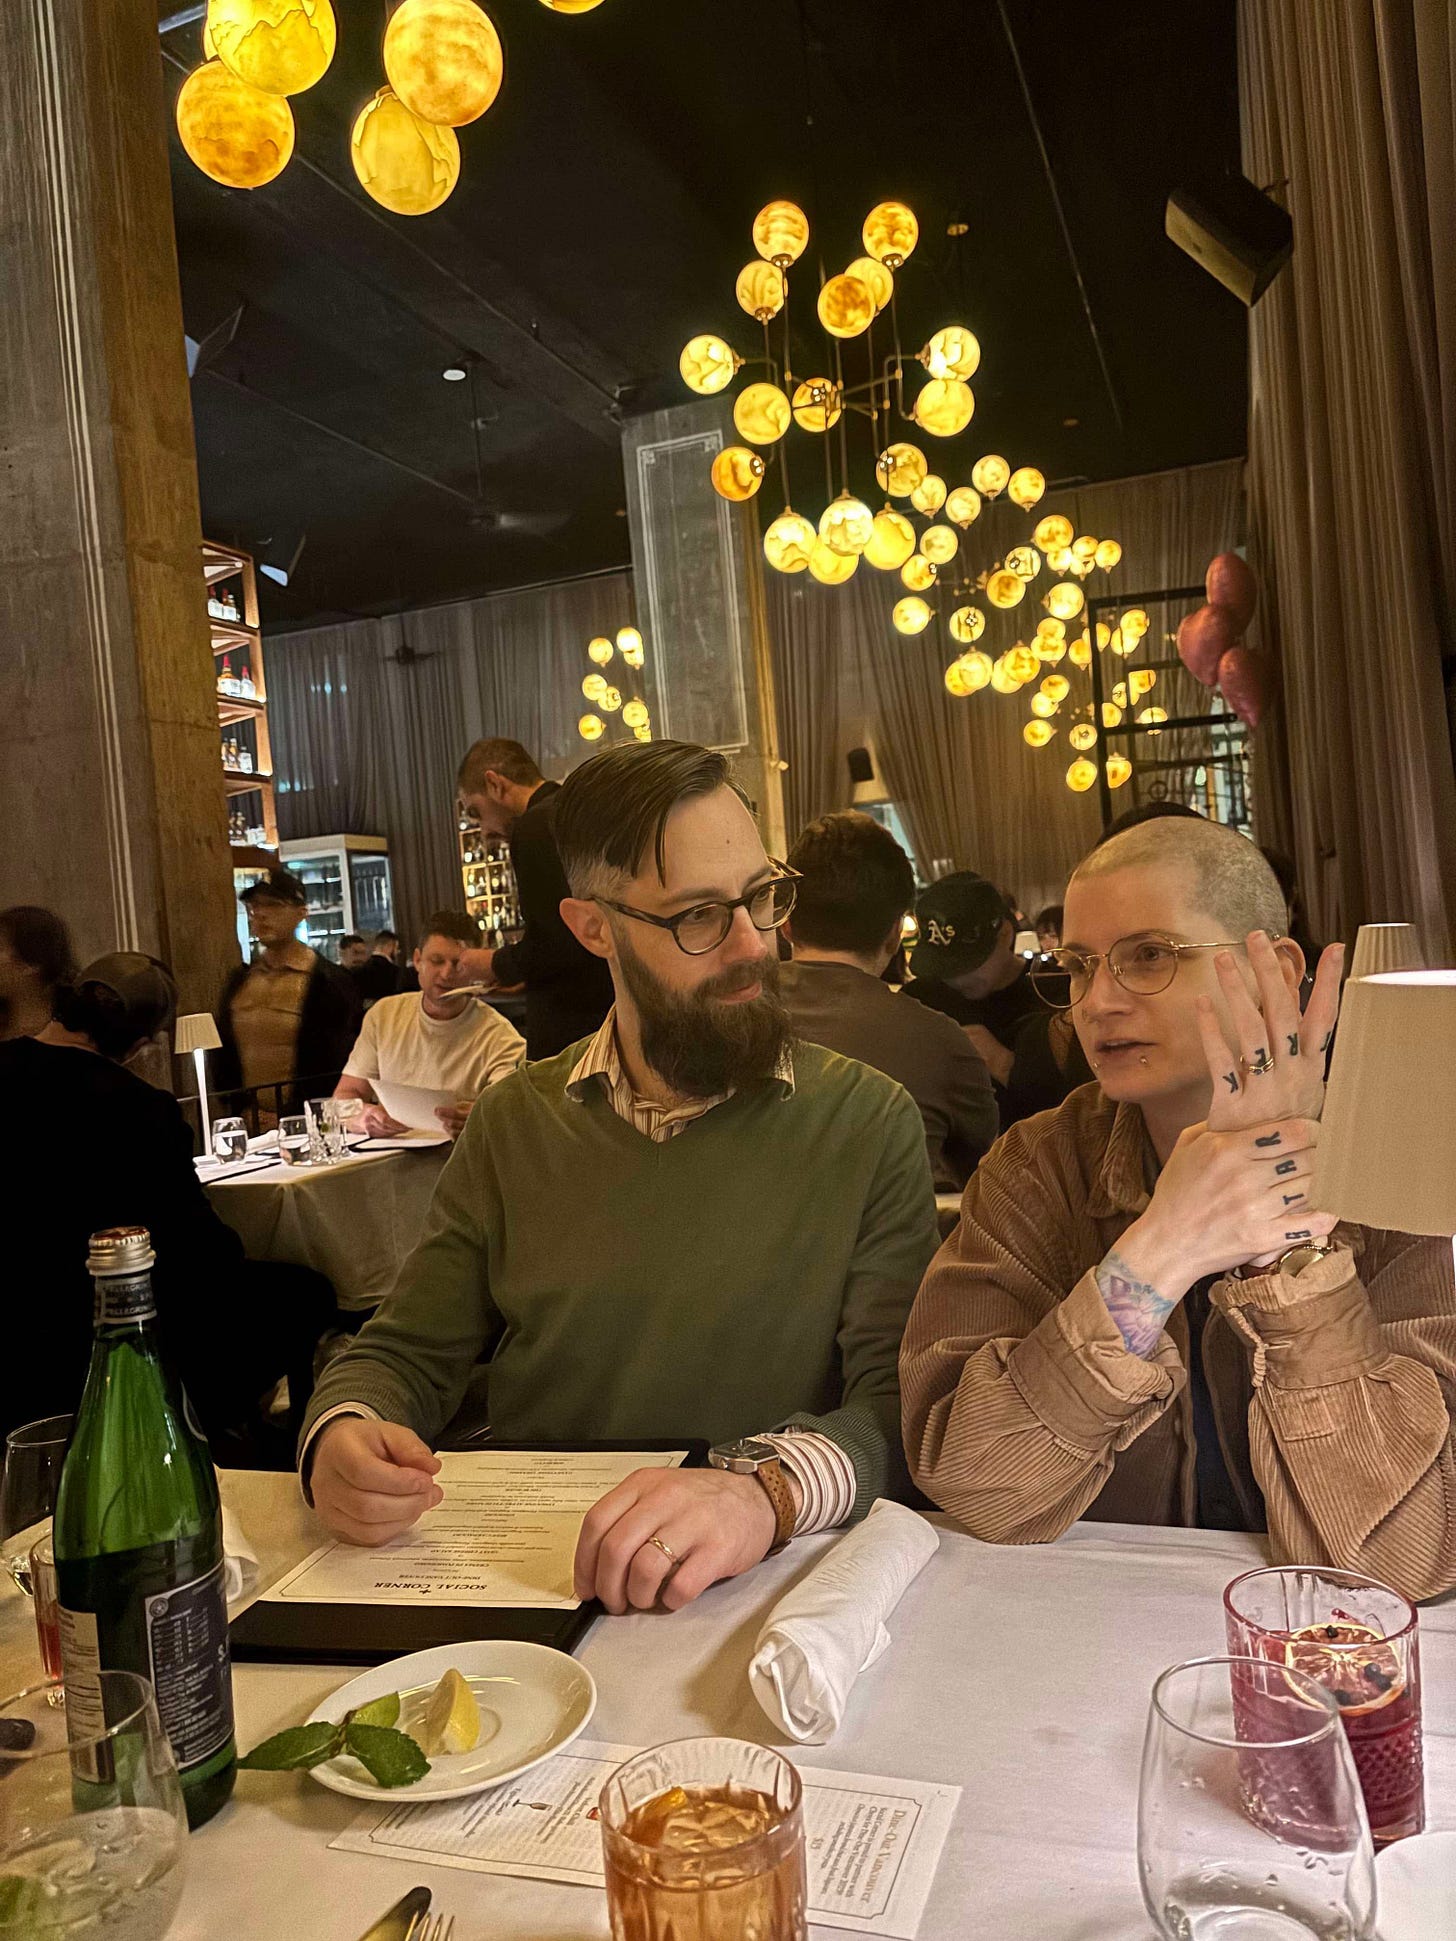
(379, 1711)
(392, 1758)
(295, 1750)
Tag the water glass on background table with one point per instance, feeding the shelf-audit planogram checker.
(326, 1129)
(43, 1589)
(34, 1453)
(93, 1834)
(1251, 1826)
(1359, 1639)
(705, 1838)
(294, 1141)
(229, 1140)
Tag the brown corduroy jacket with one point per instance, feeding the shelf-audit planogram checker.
(1333, 1391)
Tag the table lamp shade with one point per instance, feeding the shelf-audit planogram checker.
(1387, 1151)
(196, 1032)
(1385, 947)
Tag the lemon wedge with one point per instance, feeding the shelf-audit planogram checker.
(452, 1717)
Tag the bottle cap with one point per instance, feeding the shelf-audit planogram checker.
(120, 1250)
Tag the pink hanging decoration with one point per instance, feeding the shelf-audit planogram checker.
(1230, 582)
(1242, 683)
(1204, 638)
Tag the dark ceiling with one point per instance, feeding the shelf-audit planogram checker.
(602, 214)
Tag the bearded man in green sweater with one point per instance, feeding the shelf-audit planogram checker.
(682, 1227)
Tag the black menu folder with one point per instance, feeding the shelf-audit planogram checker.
(368, 1634)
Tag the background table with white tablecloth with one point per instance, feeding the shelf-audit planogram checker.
(355, 1221)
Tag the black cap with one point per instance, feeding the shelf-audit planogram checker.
(139, 993)
(959, 919)
(278, 886)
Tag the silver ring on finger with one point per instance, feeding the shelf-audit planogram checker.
(671, 1555)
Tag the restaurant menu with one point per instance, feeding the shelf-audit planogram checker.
(505, 1535)
(873, 1845)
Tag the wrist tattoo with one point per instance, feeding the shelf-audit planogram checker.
(1269, 1139)
(1293, 1042)
(1136, 1306)
(1231, 1079)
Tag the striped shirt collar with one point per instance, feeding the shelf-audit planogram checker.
(601, 1063)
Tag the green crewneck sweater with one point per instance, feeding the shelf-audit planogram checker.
(754, 1271)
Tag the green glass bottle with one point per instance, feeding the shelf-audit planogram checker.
(138, 1534)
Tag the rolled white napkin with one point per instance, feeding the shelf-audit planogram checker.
(239, 1559)
(831, 1627)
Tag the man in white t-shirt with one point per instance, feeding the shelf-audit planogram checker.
(437, 1040)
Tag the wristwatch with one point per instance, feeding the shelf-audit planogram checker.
(749, 1457)
(1292, 1261)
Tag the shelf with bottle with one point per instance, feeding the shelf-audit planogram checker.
(225, 602)
(246, 828)
(236, 683)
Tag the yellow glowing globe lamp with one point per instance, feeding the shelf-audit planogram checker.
(629, 646)
(918, 573)
(892, 541)
(846, 526)
(406, 165)
(967, 624)
(761, 413)
(1108, 554)
(952, 352)
(1056, 687)
(708, 365)
(1119, 694)
(1065, 600)
(956, 682)
(945, 406)
(1024, 562)
(817, 404)
(789, 542)
(1002, 679)
(600, 650)
(635, 715)
(1083, 736)
(236, 134)
(940, 544)
(591, 727)
(989, 475)
(571, 6)
(1051, 628)
(1005, 589)
(890, 233)
(1141, 681)
(1054, 533)
(1123, 643)
(1084, 547)
(929, 496)
(780, 231)
(611, 700)
(1111, 714)
(1025, 487)
(979, 670)
(900, 468)
(1150, 717)
(846, 307)
(1037, 733)
(1080, 653)
(1104, 636)
(1022, 663)
(1134, 624)
(280, 46)
(1049, 649)
(736, 473)
(644, 733)
(1082, 775)
(829, 567)
(760, 289)
(1118, 770)
(1043, 705)
(910, 615)
(1061, 559)
(593, 687)
(963, 506)
(875, 277)
(443, 59)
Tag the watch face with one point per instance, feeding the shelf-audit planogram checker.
(746, 1449)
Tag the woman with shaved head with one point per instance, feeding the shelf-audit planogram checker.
(1142, 1316)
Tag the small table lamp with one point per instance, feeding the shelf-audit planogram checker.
(1385, 947)
(197, 1033)
(1387, 1151)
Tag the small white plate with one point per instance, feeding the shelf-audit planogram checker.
(1417, 1888)
(533, 1701)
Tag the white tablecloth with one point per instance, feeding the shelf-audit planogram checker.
(1021, 1675)
(354, 1221)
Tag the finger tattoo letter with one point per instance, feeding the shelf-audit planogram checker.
(1269, 1139)
(1284, 1167)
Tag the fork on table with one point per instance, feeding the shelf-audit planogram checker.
(424, 1927)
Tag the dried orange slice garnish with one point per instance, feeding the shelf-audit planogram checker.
(1355, 1665)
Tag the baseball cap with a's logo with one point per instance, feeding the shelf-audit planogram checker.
(959, 919)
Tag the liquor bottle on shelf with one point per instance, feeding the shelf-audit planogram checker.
(245, 757)
(138, 1535)
(229, 604)
(245, 683)
(225, 682)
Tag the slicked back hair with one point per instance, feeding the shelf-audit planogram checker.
(454, 924)
(613, 810)
(1230, 879)
(506, 757)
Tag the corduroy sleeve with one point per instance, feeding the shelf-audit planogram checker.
(1018, 1390)
(1350, 1435)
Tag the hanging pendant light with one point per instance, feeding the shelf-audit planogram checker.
(1054, 534)
(817, 404)
(892, 541)
(952, 352)
(789, 542)
(929, 496)
(600, 650)
(945, 406)
(829, 567)
(846, 525)
(875, 277)
(761, 413)
(1025, 487)
(406, 165)
(1038, 733)
(963, 506)
(940, 544)
(708, 365)
(890, 233)
(630, 646)
(967, 624)
(780, 231)
(760, 289)
(280, 46)
(918, 573)
(989, 475)
(900, 468)
(238, 135)
(910, 615)
(1082, 775)
(846, 307)
(591, 727)
(443, 59)
(737, 473)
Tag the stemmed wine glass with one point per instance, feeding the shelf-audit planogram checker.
(33, 1456)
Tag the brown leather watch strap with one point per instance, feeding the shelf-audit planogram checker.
(776, 1484)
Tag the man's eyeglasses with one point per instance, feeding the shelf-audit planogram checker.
(703, 927)
(1143, 965)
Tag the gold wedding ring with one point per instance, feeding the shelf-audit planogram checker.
(671, 1555)
(1260, 1066)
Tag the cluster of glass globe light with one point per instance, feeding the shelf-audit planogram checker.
(598, 690)
(443, 63)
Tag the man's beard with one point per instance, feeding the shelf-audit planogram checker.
(698, 1046)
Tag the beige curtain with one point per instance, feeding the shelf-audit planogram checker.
(809, 633)
(1352, 450)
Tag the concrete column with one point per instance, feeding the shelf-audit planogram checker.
(111, 792)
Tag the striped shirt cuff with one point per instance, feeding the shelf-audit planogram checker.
(823, 1471)
(305, 1455)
